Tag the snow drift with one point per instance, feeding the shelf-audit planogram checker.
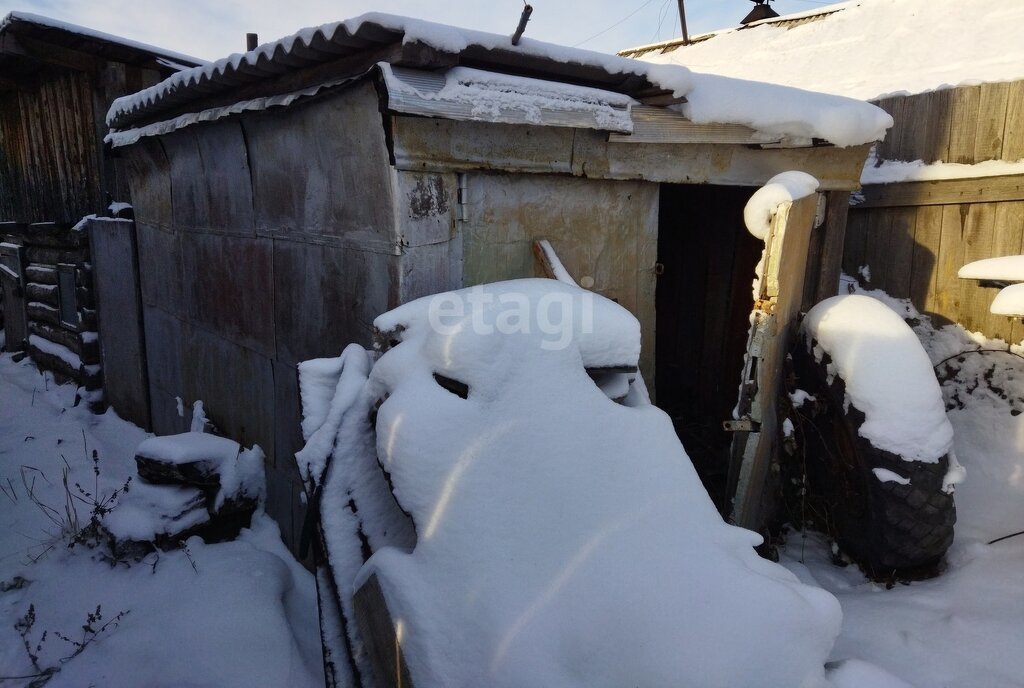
(560, 538)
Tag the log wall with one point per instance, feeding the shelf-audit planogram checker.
(914, 237)
(69, 350)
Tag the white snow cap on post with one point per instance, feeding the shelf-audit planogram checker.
(888, 375)
(782, 188)
(1001, 269)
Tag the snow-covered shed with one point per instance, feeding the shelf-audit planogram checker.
(286, 197)
(946, 187)
(56, 83)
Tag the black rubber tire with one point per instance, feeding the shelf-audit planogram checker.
(893, 531)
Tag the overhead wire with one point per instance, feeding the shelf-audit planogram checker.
(601, 33)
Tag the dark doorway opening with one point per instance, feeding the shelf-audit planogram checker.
(703, 303)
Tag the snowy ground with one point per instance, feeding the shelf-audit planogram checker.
(244, 613)
(965, 628)
(236, 614)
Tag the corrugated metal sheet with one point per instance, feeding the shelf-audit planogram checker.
(661, 125)
(785, 22)
(332, 42)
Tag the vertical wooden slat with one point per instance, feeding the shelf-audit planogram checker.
(978, 240)
(1013, 135)
(936, 122)
(988, 139)
(853, 244)
(889, 148)
(924, 268)
(965, 103)
(945, 304)
(1009, 240)
(876, 247)
(836, 222)
(901, 252)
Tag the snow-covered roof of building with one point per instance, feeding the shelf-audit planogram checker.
(53, 31)
(865, 48)
(365, 41)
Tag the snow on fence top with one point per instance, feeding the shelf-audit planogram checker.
(773, 109)
(171, 58)
(865, 48)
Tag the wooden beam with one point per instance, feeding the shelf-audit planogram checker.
(943, 192)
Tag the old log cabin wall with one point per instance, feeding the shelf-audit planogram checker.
(915, 236)
(59, 307)
(56, 84)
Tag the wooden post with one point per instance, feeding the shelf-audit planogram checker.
(251, 41)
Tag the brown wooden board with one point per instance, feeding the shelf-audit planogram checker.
(876, 249)
(965, 104)
(978, 239)
(855, 240)
(940, 192)
(901, 252)
(950, 259)
(924, 265)
(988, 140)
(1013, 136)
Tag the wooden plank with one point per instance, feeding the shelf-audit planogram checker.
(946, 304)
(965, 103)
(988, 139)
(1008, 241)
(978, 235)
(1008, 187)
(876, 246)
(927, 233)
(889, 147)
(901, 252)
(853, 243)
(1013, 136)
(835, 228)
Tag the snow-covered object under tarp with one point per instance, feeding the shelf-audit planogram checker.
(1000, 269)
(887, 374)
(561, 538)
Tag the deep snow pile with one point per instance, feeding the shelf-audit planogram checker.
(962, 629)
(928, 44)
(888, 376)
(563, 539)
(241, 613)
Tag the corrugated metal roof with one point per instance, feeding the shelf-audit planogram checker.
(367, 37)
(786, 22)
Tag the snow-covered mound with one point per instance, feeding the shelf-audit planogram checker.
(564, 539)
(888, 376)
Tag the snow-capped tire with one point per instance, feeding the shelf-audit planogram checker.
(893, 530)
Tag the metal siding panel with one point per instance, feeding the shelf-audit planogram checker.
(226, 177)
(230, 287)
(320, 168)
(160, 268)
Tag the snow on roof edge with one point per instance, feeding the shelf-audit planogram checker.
(438, 36)
(785, 110)
(49, 22)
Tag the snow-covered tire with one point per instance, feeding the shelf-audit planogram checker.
(892, 530)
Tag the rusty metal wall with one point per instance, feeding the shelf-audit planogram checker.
(263, 241)
(605, 230)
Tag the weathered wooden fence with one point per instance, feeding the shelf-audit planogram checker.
(915, 236)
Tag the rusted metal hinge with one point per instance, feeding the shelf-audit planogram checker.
(741, 425)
